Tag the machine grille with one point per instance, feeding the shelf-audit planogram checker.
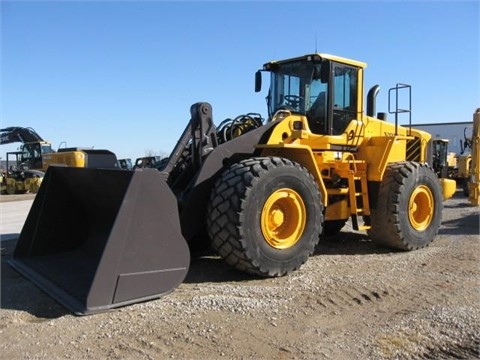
(414, 150)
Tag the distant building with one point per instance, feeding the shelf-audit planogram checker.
(453, 131)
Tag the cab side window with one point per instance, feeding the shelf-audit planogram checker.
(344, 97)
(317, 113)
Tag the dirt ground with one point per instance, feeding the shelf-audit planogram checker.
(351, 300)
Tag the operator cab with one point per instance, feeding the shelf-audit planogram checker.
(32, 153)
(323, 88)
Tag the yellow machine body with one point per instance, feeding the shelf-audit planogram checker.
(74, 158)
(360, 153)
(78, 157)
(20, 186)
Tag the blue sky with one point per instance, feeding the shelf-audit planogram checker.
(122, 75)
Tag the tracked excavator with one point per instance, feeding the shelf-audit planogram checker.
(261, 193)
(24, 171)
(33, 146)
(37, 154)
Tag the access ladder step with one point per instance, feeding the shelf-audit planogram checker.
(359, 202)
(366, 223)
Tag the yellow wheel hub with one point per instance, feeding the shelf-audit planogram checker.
(283, 218)
(421, 208)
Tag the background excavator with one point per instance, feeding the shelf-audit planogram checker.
(260, 193)
(33, 146)
(24, 168)
(26, 172)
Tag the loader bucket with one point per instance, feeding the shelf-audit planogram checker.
(97, 239)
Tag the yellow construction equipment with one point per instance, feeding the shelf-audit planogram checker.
(444, 163)
(3, 182)
(147, 162)
(261, 194)
(474, 170)
(36, 155)
(18, 178)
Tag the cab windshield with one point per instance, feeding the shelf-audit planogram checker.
(296, 86)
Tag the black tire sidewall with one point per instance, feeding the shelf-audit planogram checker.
(424, 177)
(290, 177)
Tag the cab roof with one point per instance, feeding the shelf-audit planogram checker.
(318, 56)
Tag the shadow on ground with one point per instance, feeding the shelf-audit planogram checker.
(348, 243)
(206, 266)
(466, 225)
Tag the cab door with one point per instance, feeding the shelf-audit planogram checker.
(343, 97)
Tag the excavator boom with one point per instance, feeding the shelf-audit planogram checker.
(18, 134)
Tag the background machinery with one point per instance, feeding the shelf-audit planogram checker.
(32, 148)
(38, 153)
(125, 164)
(473, 184)
(35, 155)
(24, 168)
(444, 162)
(459, 167)
(19, 179)
(464, 160)
(147, 162)
(261, 194)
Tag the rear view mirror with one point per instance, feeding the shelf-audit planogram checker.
(258, 81)
(325, 71)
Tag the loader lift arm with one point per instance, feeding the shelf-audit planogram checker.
(197, 160)
(196, 141)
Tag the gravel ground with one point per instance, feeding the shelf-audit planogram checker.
(351, 300)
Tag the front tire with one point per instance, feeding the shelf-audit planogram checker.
(409, 209)
(265, 216)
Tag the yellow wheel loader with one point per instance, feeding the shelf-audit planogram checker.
(261, 194)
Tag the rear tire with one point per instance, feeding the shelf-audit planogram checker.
(409, 209)
(265, 215)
